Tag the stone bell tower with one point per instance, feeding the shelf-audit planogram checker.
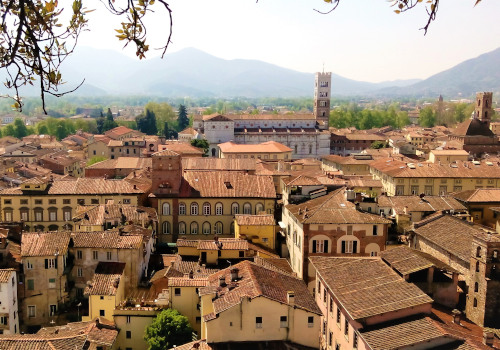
(484, 108)
(322, 95)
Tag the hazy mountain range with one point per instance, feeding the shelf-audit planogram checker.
(191, 72)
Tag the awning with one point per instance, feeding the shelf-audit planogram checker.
(282, 225)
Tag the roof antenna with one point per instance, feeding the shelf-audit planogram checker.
(323, 67)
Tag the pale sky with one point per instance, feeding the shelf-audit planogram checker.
(362, 39)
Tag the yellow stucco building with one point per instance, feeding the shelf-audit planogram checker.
(258, 229)
(269, 150)
(202, 204)
(42, 204)
(238, 304)
(405, 178)
(105, 290)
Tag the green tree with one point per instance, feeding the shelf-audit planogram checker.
(164, 113)
(182, 120)
(42, 129)
(109, 122)
(8, 130)
(378, 144)
(201, 143)
(100, 124)
(427, 117)
(147, 123)
(20, 129)
(169, 328)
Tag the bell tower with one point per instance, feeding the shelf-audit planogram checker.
(484, 108)
(322, 95)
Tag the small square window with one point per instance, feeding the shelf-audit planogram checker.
(95, 255)
(128, 334)
(79, 254)
(177, 292)
(102, 313)
(258, 322)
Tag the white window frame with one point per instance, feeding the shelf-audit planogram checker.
(182, 209)
(219, 209)
(207, 209)
(194, 209)
(165, 209)
(31, 310)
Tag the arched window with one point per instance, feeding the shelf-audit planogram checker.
(7, 214)
(310, 149)
(166, 209)
(235, 208)
(206, 208)
(194, 208)
(194, 228)
(166, 228)
(476, 287)
(53, 228)
(206, 228)
(52, 214)
(475, 302)
(247, 208)
(295, 148)
(218, 228)
(218, 209)
(259, 208)
(182, 209)
(182, 228)
(478, 252)
(477, 266)
(25, 214)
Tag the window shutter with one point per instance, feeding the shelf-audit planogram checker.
(46, 263)
(343, 247)
(5, 320)
(326, 247)
(314, 246)
(55, 262)
(355, 246)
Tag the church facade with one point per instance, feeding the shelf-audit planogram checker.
(306, 134)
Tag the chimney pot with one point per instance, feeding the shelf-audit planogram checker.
(191, 274)
(488, 338)
(222, 281)
(457, 315)
(234, 274)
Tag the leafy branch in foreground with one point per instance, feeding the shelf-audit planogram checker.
(37, 36)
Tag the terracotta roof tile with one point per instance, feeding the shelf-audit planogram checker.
(255, 220)
(36, 342)
(332, 208)
(479, 195)
(106, 239)
(211, 164)
(401, 334)
(181, 148)
(367, 287)
(406, 260)
(452, 234)
(5, 275)
(417, 204)
(187, 282)
(44, 244)
(84, 186)
(106, 279)
(100, 214)
(227, 184)
(264, 147)
(459, 169)
(257, 281)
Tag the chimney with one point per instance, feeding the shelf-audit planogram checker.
(196, 345)
(222, 281)
(97, 322)
(488, 338)
(457, 315)
(234, 274)
(290, 297)
(191, 274)
(116, 282)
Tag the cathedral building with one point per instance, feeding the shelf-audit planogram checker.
(306, 134)
(475, 134)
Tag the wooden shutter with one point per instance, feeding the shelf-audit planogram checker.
(314, 246)
(343, 247)
(326, 246)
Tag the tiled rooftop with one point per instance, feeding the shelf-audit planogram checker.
(111, 239)
(417, 204)
(265, 147)
(106, 279)
(452, 234)
(479, 195)
(406, 260)
(367, 287)
(100, 214)
(227, 184)
(257, 281)
(332, 208)
(255, 220)
(44, 244)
